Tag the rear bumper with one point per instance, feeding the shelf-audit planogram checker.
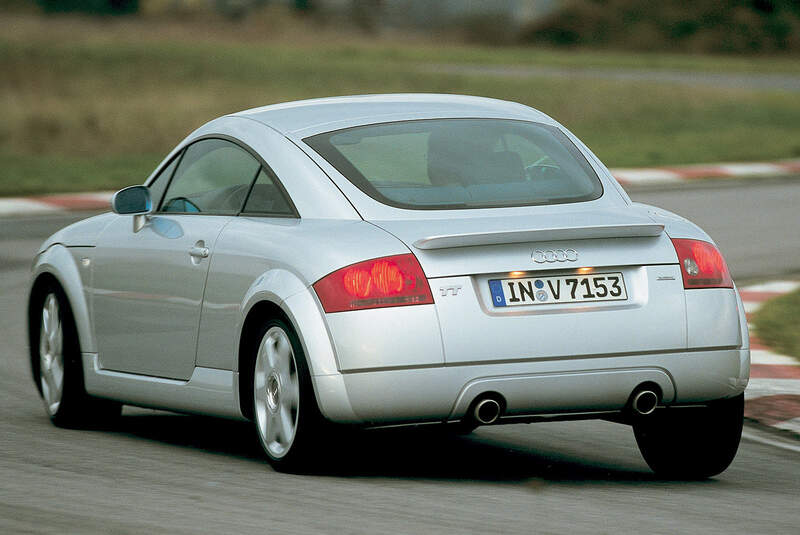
(441, 393)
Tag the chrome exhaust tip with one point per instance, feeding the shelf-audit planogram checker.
(644, 402)
(486, 411)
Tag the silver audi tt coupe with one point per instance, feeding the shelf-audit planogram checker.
(393, 259)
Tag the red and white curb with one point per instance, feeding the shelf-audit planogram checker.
(55, 203)
(626, 176)
(684, 173)
(773, 394)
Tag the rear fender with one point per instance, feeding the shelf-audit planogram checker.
(674, 225)
(301, 307)
(744, 374)
(299, 303)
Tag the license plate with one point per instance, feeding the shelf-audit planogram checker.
(561, 289)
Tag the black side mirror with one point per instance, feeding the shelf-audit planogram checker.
(132, 200)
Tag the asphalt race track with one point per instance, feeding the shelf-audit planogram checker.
(166, 473)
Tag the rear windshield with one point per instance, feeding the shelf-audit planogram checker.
(460, 163)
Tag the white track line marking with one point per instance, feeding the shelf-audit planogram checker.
(790, 425)
(23, 206)
(774, 286)
(744, 169)
(760, 387)
(643, 176)
(764, 356)
(762, 438)
(751, 306)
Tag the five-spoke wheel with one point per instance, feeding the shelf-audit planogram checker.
(285, 412)
(51, 355)
(57, 364)
(276, 389)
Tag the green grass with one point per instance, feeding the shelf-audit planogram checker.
(579, 59)
(776, 324)
(89, 105)
(32, 175)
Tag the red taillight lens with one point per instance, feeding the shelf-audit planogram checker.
(702, 265)
(382, 282)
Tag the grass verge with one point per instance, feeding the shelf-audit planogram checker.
(89, 104)
(59, 173)
(776, 324)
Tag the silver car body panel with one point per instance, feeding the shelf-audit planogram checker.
(304, 118)
(207, 391)
(80, 234)
(272, 259)
(404, 337)
(147, 314)
(498, 258)
(651, 319)
(63, 263)
(502, 237)
(403, 364)
(713, 319)
(545, 387)
(675, 226)
(743, 331)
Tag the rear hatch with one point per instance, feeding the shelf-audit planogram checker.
(571, 285)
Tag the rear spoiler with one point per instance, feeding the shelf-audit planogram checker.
(635, 230)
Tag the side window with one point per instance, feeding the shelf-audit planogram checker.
(213, 177)
(159, 184)
(267, 198)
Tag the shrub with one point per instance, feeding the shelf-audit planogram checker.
(693, 26)
(98, 7)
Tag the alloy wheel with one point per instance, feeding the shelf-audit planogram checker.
(276, 390)
(51, 355)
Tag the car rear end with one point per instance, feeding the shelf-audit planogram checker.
(544, 295)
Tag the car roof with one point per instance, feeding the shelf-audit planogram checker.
(302, 118)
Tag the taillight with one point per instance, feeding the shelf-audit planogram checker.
(702, 265)
(391, 281)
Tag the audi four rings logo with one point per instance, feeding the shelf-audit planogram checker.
(554, 255)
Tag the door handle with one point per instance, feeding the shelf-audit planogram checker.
(198, 252)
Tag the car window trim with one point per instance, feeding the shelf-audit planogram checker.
(259, 213)
(365, 186)
(262, 165)
(157, 174)
(179, 159)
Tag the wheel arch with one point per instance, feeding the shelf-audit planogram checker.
(58, 262)
(260, 312)
(43, 282)
(283, 294)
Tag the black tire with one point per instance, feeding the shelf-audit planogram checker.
(691, 443)
(298, 450)
(75, 408)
